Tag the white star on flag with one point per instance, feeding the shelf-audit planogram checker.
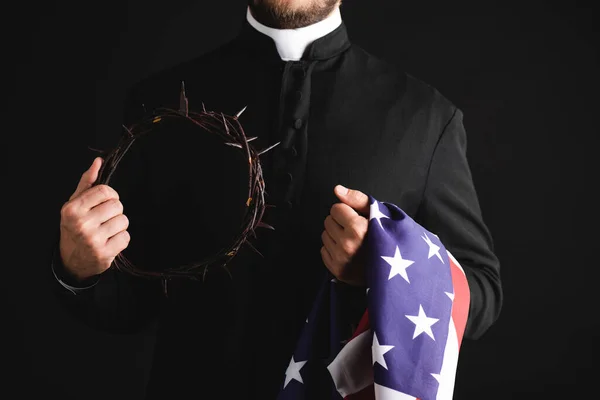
(422, 323)
(434, 249)
(293, 371)
(398, 264)
(378, 352)
(374, 213)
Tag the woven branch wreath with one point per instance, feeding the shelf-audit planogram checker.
(230, 130)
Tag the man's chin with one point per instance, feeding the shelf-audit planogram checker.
(293, 15)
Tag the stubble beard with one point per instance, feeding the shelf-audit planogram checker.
(280, 15)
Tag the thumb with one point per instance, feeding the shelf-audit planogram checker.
(353, 198)
(88, 177)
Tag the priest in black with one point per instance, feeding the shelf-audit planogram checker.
(342, 116)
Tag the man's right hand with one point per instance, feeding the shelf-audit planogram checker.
(93, 228)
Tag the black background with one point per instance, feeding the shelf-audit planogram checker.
(526, 77)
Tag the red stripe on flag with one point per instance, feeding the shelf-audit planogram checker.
(462, 298)
(363, 325)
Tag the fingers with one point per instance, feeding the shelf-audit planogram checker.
(105, 211)
(77, 218)
(354, 198)
(88, 177)
(117, 243)
(343, 214)
(328, 260)
(358, 201)
(94, 196)
(333, 228)
(329, 243)
(336, 250)
(114, 226)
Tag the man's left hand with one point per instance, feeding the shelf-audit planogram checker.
(345, 230)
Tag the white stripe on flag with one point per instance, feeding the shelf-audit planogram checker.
(385, 393)
(449, 363)
(352, 368)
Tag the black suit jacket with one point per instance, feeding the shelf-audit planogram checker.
(343, 116)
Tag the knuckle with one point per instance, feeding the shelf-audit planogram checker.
(123, 241)
(115, 206)
(347, 246)
(124, 220)
(107, 191)
(355, 230)
(118, 205)
(67, 210)
(103, 190)
(358, 228)
(79, 226)
(94, 242)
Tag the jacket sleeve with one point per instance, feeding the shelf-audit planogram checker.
(450, 208)
(113, 302)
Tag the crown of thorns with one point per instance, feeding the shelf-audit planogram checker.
(230, 130)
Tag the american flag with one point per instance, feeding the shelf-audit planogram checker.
(407, 344)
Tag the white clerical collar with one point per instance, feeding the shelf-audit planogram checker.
(291, 43)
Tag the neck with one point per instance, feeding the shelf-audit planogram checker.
(291, 43)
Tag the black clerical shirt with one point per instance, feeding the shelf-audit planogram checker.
(342, 116)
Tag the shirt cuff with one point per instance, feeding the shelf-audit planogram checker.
(73, 289)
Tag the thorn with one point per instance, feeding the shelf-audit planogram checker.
(144, 107)
(263, 225)
(204, 108)
(234, 145)
(268, 148)
(254, 248)
(225, 123)
(240, 112)
(183, 101)
(128, 131)
(248, 140)
(96, 150)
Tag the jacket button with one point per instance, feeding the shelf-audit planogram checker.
(298, 123)
(298, 95)
(293, 151)
(289, 177)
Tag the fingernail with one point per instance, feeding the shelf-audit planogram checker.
(342, 190)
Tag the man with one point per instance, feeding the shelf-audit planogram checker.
(343, 117)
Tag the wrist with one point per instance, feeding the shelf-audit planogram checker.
(70, 276)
